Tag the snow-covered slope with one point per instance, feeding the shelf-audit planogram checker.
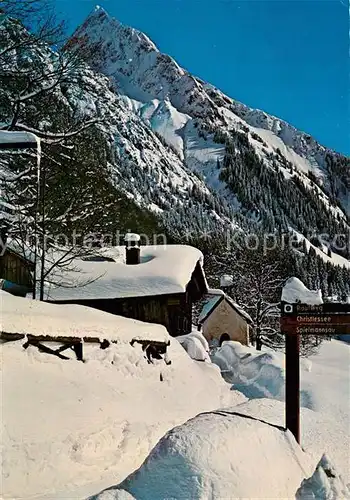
(141, 165)
(220, 455)
(69, 428)
(325, 388)
(140, 71)
(199, 161)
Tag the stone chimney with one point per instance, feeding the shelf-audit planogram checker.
(132, 248)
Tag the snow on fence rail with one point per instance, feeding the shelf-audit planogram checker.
(71, 326)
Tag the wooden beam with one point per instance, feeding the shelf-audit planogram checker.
(44, 348)
(11, 336)
(53, 338)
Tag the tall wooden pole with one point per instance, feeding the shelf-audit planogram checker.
(293, 384)
(36, 215)
(36, 242)
(43, 233)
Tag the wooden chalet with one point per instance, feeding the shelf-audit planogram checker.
(152, 284)
(173, 310)
(16, 271)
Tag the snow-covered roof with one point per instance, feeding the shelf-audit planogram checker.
(295, 291)
(217, 296)
(32, 317)
(22, 250)
(13, 139)
(208, 308)
(163, 269)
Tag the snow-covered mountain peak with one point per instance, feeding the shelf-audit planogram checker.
(144, 73)
(180, 148)
(136, 65)
(111, 36)
(138, 70)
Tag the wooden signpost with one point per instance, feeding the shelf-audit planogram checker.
(304, 319)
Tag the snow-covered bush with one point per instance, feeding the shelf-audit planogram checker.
(196, 346)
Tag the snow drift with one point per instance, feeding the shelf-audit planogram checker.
(26, 316)
(70, 428)
(325, 484)
(220, 455)
(196, 346)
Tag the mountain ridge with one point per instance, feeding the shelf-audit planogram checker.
(205, 174)
(138, 69)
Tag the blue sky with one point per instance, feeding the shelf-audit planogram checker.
(287, 57)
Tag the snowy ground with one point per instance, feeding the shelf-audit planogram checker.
(219, 455)
(70, 429)
(325, 388)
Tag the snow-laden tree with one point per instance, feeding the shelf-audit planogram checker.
(30, 76)
(258, 277)
(72, 195)
(259, 267)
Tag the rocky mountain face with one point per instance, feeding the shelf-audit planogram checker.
(138, 161)
(173, 147)
(178, 105)
(266, 172)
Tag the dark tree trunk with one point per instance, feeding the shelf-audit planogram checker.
(258, 340)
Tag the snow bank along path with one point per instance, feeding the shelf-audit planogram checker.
(325, 388)
(70, 429)
(222, 454)
(26, 316)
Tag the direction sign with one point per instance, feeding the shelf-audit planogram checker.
(306, 319)
(330, 324)
(293, 328)
(322, 319)
(329, 308)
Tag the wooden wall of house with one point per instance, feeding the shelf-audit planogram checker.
(174, 311)
(15, 269)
